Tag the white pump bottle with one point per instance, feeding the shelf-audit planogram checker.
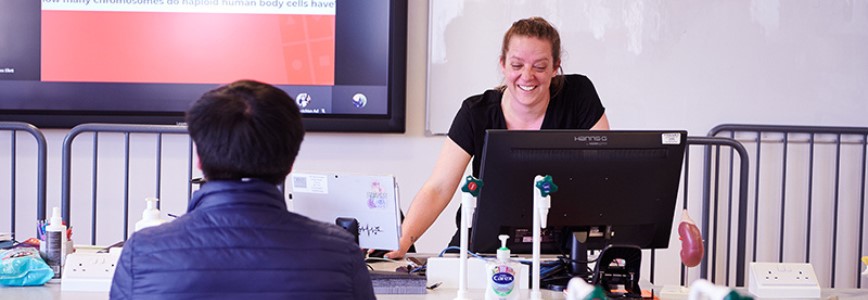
(502, 274)
(151, 215)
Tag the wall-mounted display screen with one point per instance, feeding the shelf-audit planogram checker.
(66, 62)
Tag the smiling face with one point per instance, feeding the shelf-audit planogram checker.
(528, 68)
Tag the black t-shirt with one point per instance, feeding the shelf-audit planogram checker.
(576, 106)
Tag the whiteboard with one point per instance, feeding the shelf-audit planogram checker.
(671, 64)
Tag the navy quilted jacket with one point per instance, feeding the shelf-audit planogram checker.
(238, 241)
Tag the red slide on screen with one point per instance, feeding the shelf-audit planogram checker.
(154, 47)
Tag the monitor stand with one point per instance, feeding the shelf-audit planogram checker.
(579, 255)
(577, 265)
(620, 280)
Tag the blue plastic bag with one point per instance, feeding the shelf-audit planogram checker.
(23, 267)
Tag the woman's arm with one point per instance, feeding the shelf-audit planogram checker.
(602, 123)
(434, 195)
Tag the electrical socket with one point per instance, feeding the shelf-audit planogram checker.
(783, 280)
(91, 272)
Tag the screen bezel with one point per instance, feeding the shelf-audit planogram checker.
(348, 18)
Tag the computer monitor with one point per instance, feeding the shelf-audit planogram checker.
(614, 187)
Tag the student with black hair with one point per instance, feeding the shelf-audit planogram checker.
(237, 239)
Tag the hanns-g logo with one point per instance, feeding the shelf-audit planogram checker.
(590, 138)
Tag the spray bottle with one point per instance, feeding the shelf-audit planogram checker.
(55, 242)
(151, 215)
(502, 274)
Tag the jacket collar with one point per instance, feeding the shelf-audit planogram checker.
(244, 191)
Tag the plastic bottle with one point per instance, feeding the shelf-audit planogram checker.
(502, 274)
(151, 215)
(55, 242)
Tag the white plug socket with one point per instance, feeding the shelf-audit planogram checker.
(783, 280)
(90, 272)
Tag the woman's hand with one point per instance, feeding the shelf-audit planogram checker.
(404, 245)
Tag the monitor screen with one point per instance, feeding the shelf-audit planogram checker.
(63, 63)
(614, 187)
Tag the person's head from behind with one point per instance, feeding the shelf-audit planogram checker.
(246, 129)
(530, 58)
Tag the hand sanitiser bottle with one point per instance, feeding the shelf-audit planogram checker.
(151, 215)
(503, 274)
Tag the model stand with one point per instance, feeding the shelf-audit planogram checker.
(470, 191)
